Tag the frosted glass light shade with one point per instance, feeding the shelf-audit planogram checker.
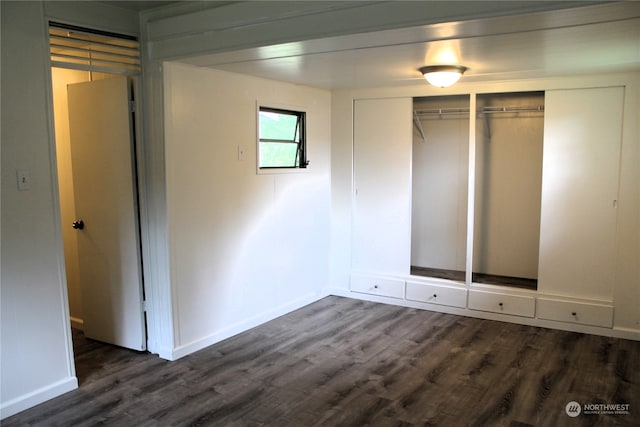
(443, 75)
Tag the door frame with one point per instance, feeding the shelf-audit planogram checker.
(135, 138)
(153, 318)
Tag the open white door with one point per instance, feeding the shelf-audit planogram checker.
(106, 212)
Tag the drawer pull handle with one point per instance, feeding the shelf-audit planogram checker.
(435, 296)
(501, 305)
(574, 314)
(375, 286)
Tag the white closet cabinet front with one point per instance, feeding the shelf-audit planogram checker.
(382, 138)
(582, 139)
(575, 312)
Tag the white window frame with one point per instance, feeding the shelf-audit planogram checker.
(281, 170)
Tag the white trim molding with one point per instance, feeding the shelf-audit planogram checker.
(38, 396)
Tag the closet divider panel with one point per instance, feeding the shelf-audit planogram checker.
(381, 219)
(582, 139)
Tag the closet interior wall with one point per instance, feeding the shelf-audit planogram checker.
(508, 188)
(440, 165)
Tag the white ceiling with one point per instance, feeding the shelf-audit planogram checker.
(573, 41)
(138, 6)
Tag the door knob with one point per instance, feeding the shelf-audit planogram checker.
(78, 225)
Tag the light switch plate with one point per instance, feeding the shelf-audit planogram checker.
(24, 180)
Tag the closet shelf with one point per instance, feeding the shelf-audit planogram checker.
(439, 112)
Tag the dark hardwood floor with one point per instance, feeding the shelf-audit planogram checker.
(459, 276)
(344, 362)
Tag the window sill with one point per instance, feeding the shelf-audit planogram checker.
(281, 171)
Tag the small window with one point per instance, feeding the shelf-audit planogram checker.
(282, 135)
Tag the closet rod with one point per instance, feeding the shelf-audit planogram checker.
(483, 110)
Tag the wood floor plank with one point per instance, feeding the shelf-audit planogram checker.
(344, 362)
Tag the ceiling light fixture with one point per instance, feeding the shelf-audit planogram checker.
(442, 75)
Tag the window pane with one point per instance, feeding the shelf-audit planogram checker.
(278, 154)
(274, 125)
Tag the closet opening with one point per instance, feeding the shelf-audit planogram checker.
(508, 188)
(504, 166)
(440, 171)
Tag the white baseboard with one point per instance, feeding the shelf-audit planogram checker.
(77, 323)
(338, 291)
(626, 333)
(242, 326)
(37, 397)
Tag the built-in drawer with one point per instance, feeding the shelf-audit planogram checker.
(436, 294)
(515, 305)
(375, 285)
(575, 312)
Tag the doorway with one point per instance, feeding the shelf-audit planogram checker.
(98, 180)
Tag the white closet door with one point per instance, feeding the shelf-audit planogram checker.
(582, 138)
(104, 192)
(382, 185)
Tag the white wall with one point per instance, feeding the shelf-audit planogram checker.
(244, 247)
(341, 189)
(36, 346)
